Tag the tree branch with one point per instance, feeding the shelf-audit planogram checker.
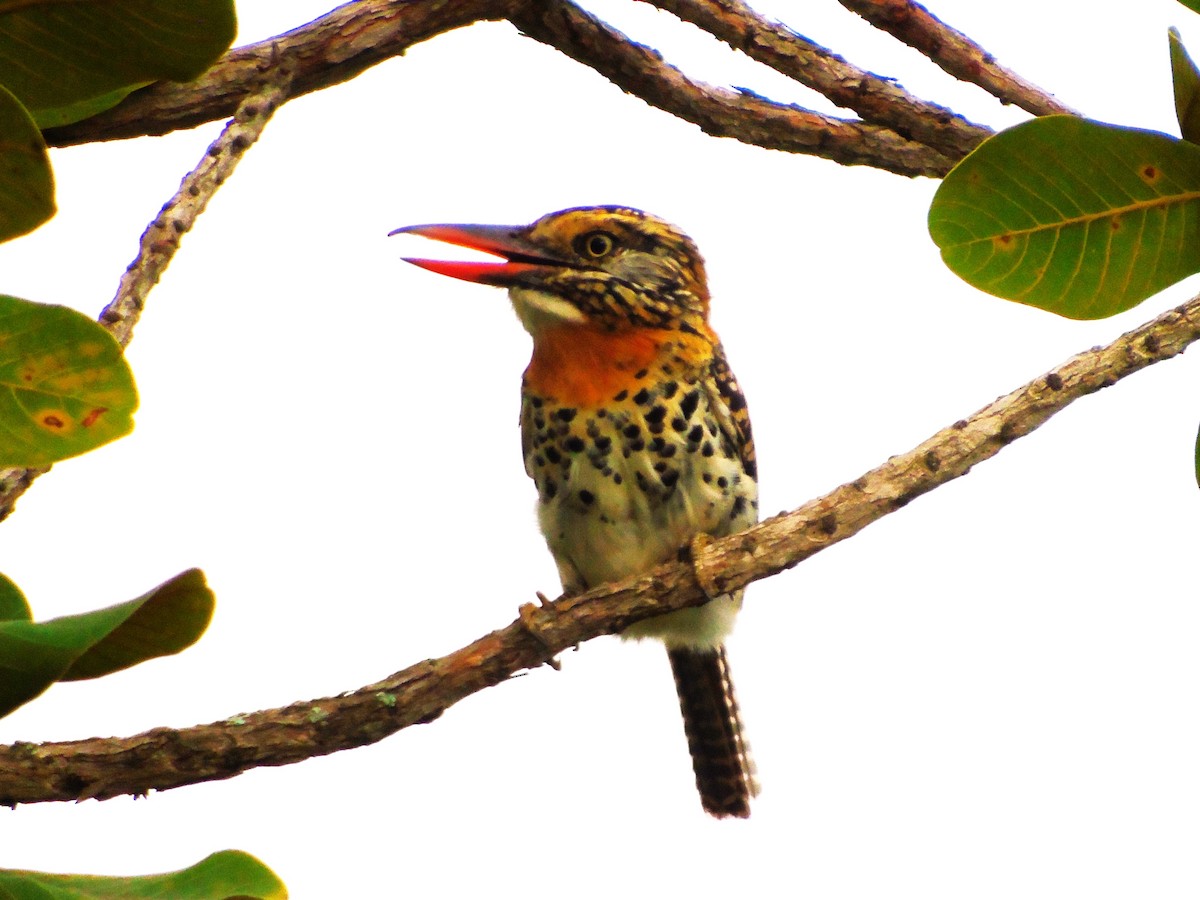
(877, 100)
(956, 53)
(165, 758)
(720, 112)
(161, 238)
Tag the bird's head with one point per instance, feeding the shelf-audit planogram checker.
(607, 267)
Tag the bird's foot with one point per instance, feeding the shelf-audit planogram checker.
(528, 615)
(694, 554)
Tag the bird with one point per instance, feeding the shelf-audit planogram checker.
(635, 433)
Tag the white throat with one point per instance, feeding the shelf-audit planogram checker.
(538, 309)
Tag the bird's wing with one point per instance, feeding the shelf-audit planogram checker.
(729, 407)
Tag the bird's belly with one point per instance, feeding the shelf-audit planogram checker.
(602, 528)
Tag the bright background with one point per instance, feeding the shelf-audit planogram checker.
(992, 693)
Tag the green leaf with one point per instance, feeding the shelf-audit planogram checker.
(26, 182)
(1193, 5)
(54, 55)
(163, 621)
(223, 876)
(65, 387)
(1198, 458)
(83, 109)
(1186, 81)
(1079, 218)
(13, 607)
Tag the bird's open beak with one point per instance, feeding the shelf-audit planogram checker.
(518, 256)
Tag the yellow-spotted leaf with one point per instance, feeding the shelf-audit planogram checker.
(1186, 81)
(163, 621)
(26, 182)
(1079, 218)
(65, 387)
(66, 61)
(228, 875)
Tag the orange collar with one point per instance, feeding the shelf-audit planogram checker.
(582, 366)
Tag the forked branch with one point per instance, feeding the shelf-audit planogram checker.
(898, 132)
(161, 237)
(880, 101)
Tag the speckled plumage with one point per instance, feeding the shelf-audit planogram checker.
(625, 483)
(635, 432)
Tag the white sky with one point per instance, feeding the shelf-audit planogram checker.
(992, 693)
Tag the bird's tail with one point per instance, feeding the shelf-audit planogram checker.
(725, 773)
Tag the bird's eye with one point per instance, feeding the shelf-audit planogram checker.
(595, 244)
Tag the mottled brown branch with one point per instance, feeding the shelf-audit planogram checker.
(161, 238)
(879, 101)
(956, 53)
(641, 71)
(166, 758)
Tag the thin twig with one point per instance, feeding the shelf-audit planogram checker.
(879, 101)
(167, 758)
(956, 53)
(161, 238)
